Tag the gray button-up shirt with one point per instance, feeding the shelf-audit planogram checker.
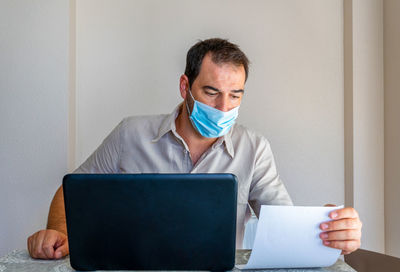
(150, 144)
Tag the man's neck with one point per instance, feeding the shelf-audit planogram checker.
(197, 144)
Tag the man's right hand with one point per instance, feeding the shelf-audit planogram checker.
(48, 244)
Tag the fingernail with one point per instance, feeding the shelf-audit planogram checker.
(58, 254)
(334, 214)
(324, 235)
(326, 242)
(324, 226)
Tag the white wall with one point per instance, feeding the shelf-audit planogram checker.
(33, 114)
(392, 126)
(130, 55)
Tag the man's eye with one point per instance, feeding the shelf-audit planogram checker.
(235, 96)
(211, 94)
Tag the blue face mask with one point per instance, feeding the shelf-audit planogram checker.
(209, 121)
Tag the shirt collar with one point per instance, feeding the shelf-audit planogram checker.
(169, 125)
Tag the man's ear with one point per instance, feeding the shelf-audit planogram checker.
(184, 85)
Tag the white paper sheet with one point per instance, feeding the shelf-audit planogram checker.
(288, 237)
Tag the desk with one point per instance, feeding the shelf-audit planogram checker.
(19, 260)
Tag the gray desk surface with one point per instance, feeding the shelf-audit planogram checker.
(19, 260)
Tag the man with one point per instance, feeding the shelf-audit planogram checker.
(198, 136)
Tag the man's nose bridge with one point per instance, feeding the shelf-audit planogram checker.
(223, 102)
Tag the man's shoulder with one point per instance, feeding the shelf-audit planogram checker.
(250, 143)
(144, 119)
(145, 125)
(242, 133)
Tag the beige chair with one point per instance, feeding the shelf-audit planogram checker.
(369, 261)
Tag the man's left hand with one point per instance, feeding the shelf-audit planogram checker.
(344, 231)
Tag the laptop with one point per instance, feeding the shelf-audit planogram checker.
(151, 221)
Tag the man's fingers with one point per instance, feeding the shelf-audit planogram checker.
(61, 247)
(345, 246)
(61, 251)
(30, 245)
(37, 245)
(48, 244)
(28, 242)
(353, 234)
(343, 213)
(341, 224)
(49, 241)
(33, 243)
(33, 237)
(343, 231)
(61, 240)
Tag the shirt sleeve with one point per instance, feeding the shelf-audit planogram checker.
(105, 159)
(266, 187)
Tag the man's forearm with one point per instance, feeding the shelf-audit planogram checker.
(56, 219)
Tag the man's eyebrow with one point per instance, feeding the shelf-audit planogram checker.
(217, 90)
(211, 88)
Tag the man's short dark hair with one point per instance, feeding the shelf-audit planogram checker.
(222, 51)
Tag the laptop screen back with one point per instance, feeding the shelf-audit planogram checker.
(151, 221)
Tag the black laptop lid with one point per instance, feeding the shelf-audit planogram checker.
(151, 221)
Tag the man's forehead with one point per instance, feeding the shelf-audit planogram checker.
(225, 71)
(208, 61)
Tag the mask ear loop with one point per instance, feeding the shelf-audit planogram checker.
(189, 113)
(187, 106)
